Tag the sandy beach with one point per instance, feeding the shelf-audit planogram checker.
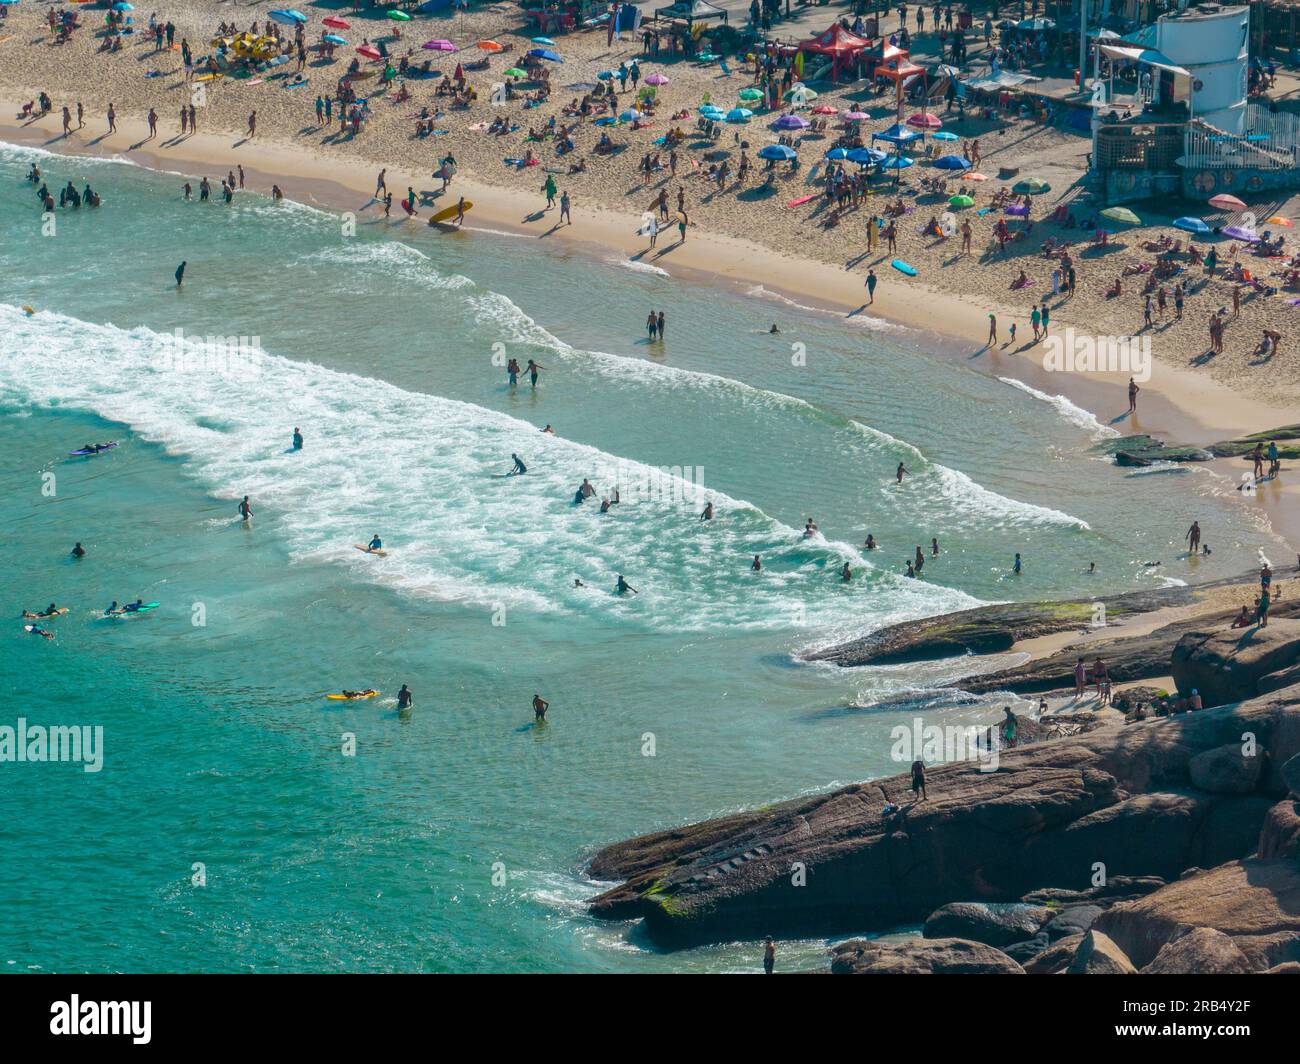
(737, 236)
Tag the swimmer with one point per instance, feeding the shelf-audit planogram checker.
(578, 497)
(604, 506)
(245, 511)
(871, 543)
(404, 698)
(900, 473)
(39, 631)
(846, 574)
(519, 468)
(622, 587)
(707, 515)
(297, 440)
(540, 706)
(548, 430)
(809, 528)
(757, 565)
(1092, 567)
(578, 583)
(78, 551)
(1015, 568)
(375, 543)
(910, 571)
(773, 330)
(934, 547)
(587, 490)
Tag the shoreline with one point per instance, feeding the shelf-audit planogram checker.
(1190, 408)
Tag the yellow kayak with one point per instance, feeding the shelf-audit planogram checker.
(353, 696)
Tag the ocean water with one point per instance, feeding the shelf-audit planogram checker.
(453, 838)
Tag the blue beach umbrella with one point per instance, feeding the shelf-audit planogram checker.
(283, 18)
(1192, 225)
(897, 162)
(837, 154)
(547, 54)
(739, 114)
(543, 40)
(866, 155)
(122, 5)
(334, 38)
(777, 151)
(943, 134)
(297, 15)
(605, 75)
(952, 162)
(897, 134)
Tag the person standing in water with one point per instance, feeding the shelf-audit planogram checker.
(540, 706)
(180, 274)
(662, 330)
(1193, 538)
(900, 473)
(652, 326)
(404, 699)
(245, 511)
(707, 515)
(757, 564)
(533, 368)
(297, 439)
(78, 551)
(769, 956)
(1015, 566)
(622, 587)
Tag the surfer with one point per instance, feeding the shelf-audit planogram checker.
(519, 468)
(113, 609)
(180, 274)
(460, 210)
(297, 439)
(773, 330)
(375, 543)
(404, 698)
(757, 565)
(578, 583)
(133, 607)
(540, 706)
(78, 551)
(39, 631)
(50, 611)
(548, 430)
(900, 473)
(533, 368)
(622, 587)
(245, 511)
(707, 515)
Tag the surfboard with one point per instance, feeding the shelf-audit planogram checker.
(83, 452)
(45, 616)
(145, 608)
(33, 628)
(447, 213)
(360, 696)
(207, 77)
(366, 550)
(801, 199)
(903, 267)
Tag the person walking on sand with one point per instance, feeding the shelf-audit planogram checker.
(1193, 538)
(872, 281)
(993, 331)
(564, 208)
(80, 115)
(1133, 390)
(112, 119)
(549, 189)
(153, 124)
(252, 124)
(381, 186)
(67, 122)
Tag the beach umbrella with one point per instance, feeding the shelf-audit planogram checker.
(791, 122)
(960, 201)
(369, 51)
(605, 75)
(925, 121)
(336, 23)
(488, 46)
(282, 17)
(543, 40)
(1017, 210)
(657, 79)
(1032, 185)
(545, 53)
(943, 134)
(122, 5)
(1034, 24)
(629, 116)
(713, 114)
(777, 151)
(399, 16)
(854, 116)
(1277, 219)
(864, 156)
(1237, 232)
(820, 109)
(897, 134)
(837, 154)
(1192, 225)
(953, 162)
(739, 114)
(897, 162)
(334, 38)
(297, 15)
(750, 94)
(515, 72)
(1122, 215)
(1228, 203)
(439, 46)
(801, 92)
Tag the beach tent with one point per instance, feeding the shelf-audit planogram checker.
(896, 134)
(843, 46)
(692, 11)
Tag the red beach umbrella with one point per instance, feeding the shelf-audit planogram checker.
(336, 23)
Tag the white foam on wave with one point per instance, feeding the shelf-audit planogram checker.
(864, 321)
(1069, 411)
(419, 469)
(640, 267)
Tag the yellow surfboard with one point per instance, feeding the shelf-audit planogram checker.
(358, 697)
(448, 213)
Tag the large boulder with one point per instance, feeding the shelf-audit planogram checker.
(1280, 836)
(920, 956)
(1201, 951)
(993, 923)
(1225, 665)
(1056, 958)
(1227, 769)
(1098, 955)
(1291, 775)
(1246, 899)
(1072, 921)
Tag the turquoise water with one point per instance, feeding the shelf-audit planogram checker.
(454, 838)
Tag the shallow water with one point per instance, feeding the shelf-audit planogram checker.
(454, 839)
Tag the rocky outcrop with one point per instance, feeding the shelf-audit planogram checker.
(1227, 769)
(1056, 958)
(1201, 951)
(1287, 439)
(1098, 955)
(935, 956)
(1143, 450)
(991, 923)
(1255, 902)
(1280, 836)
(1226, 665)
(1120, 797)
